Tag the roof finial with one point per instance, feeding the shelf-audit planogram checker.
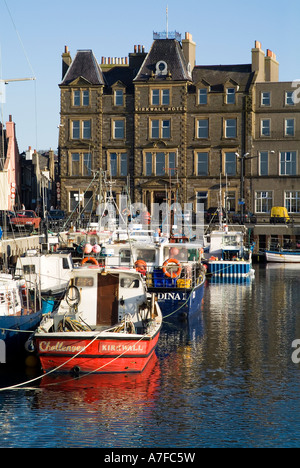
(167, 20)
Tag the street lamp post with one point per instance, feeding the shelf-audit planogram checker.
(242, 159)
(242, 199)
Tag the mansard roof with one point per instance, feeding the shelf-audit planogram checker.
(84, 66)
(170, 52)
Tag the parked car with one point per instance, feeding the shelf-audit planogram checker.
(212, 215)
(5, 219)
(26, 218)
(56, 215)
(244, 218)
(279, 214)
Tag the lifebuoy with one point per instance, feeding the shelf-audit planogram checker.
(173, 274)
(141, 266)
(90, 259)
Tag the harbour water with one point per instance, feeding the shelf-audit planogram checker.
(225, 380)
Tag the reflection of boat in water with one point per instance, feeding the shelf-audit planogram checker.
(113, 394)
(283, 256)
(106, 323)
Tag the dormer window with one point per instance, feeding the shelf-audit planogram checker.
(119, 97)
(161, 68)
(202, 96)
(230, 96)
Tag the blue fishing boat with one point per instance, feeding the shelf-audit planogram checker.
(20, 314)
(174, 272)
(227, 258)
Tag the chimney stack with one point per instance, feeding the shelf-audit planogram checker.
(66, 61)
(189, 49)
(271, 67)
(258, 62)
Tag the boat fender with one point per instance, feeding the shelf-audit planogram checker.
(29, 345)
(174, 274)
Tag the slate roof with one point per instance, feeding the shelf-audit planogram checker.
(84, 65)
(169, 51)
(218, 75)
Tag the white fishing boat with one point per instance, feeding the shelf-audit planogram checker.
(283, 256)
(50, 270)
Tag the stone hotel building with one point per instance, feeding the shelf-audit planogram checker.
(158, 124)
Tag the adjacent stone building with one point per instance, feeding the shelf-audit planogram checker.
(158, 126)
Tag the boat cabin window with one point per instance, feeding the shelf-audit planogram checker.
(66, 265)
(29, 269)
(84, 281)
(125, 256)
(230, 240)
(179, 253)
(148, 255)
(129, 283)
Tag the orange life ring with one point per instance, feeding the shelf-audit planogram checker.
(174, 274)
(213, 259)
(90, 259)
(141, 266)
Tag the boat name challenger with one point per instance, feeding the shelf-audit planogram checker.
(62, 347)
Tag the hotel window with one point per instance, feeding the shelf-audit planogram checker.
(201, 199)
(263, 202)
(266, 99)
(292, 202)
(81, 129)
(230, 128)
(289, 98)
(202, 128)
(119, 97)
(230, 164)
(160, 164)
(264, 163)
(289, 127)
(118, 129)
(81, 200)
(81, 164)
(81, 98)
(265, 127)
(160, 128)
(202, 96)
(230, 96)
(202, 164)
(118, 164)
(160, 97)
(288, 163)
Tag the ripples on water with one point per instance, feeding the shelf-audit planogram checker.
(224, 380)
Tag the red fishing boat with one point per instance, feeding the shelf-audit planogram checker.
(107, 323)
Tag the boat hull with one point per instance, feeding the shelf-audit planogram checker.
(15, 331)
(283, 257)
(232, 270)
(82, 353)
(179, 303)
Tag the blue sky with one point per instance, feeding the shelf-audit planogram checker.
(33, 34)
